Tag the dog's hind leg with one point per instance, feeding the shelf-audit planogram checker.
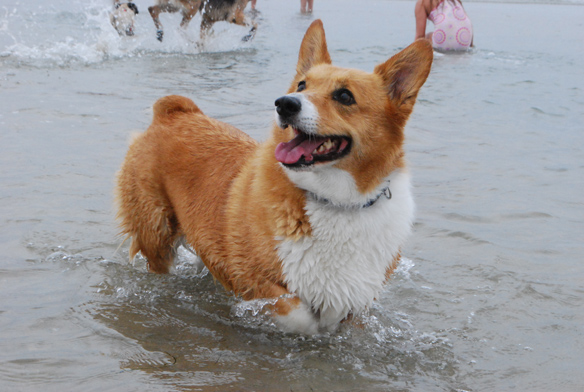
(145, 213)
(206, 24)
(188, 12)
(157, 238)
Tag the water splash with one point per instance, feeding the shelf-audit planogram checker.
(72, 35)
(253, 307)
(404, 267)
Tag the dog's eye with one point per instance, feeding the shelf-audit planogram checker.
(344, 96)
(301, 86)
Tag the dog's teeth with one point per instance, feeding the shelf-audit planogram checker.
(324, 147)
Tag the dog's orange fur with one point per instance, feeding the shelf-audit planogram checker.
(190, 175)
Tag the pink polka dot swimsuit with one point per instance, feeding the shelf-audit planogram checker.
(452, 27)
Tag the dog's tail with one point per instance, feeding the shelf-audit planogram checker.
(169, 106)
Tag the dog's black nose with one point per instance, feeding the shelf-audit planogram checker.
(287, 106)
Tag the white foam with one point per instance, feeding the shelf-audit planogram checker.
(404, 267)
(254, 306)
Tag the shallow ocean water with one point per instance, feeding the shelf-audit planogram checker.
(489, 295)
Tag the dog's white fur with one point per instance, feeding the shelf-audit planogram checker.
(341, 268)
(322, 270)
(123, 18)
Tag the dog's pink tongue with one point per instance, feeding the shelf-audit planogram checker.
(291, 152)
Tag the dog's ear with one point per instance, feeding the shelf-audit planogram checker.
(406, 72)
(133, 7)
(313, 49)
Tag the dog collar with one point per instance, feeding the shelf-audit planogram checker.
(384, 192)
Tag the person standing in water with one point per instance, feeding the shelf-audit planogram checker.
(303, 8)
(452, 27)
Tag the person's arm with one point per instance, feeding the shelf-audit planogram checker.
(421, 16)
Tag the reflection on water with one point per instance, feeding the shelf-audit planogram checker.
(489, 296)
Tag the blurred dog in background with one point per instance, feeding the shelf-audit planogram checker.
(211, 11)
(122, 17)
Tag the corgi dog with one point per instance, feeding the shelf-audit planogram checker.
(314, 217)
(122, 17)
(211, 11)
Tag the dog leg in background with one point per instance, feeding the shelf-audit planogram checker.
(214, 12)
(188, 12)
(206, 24)
(249, 36)
(241, 20)
(187, 8)
(155, 11)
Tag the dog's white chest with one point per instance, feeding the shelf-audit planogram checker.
(341, 268)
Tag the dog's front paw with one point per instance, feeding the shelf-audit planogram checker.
(299, 319)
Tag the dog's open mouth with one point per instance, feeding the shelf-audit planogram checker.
(306, 150)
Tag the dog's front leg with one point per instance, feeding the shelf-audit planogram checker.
(155, 11)
(293, 315)
(289, 313)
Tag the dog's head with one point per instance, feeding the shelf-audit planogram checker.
(341, 131)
